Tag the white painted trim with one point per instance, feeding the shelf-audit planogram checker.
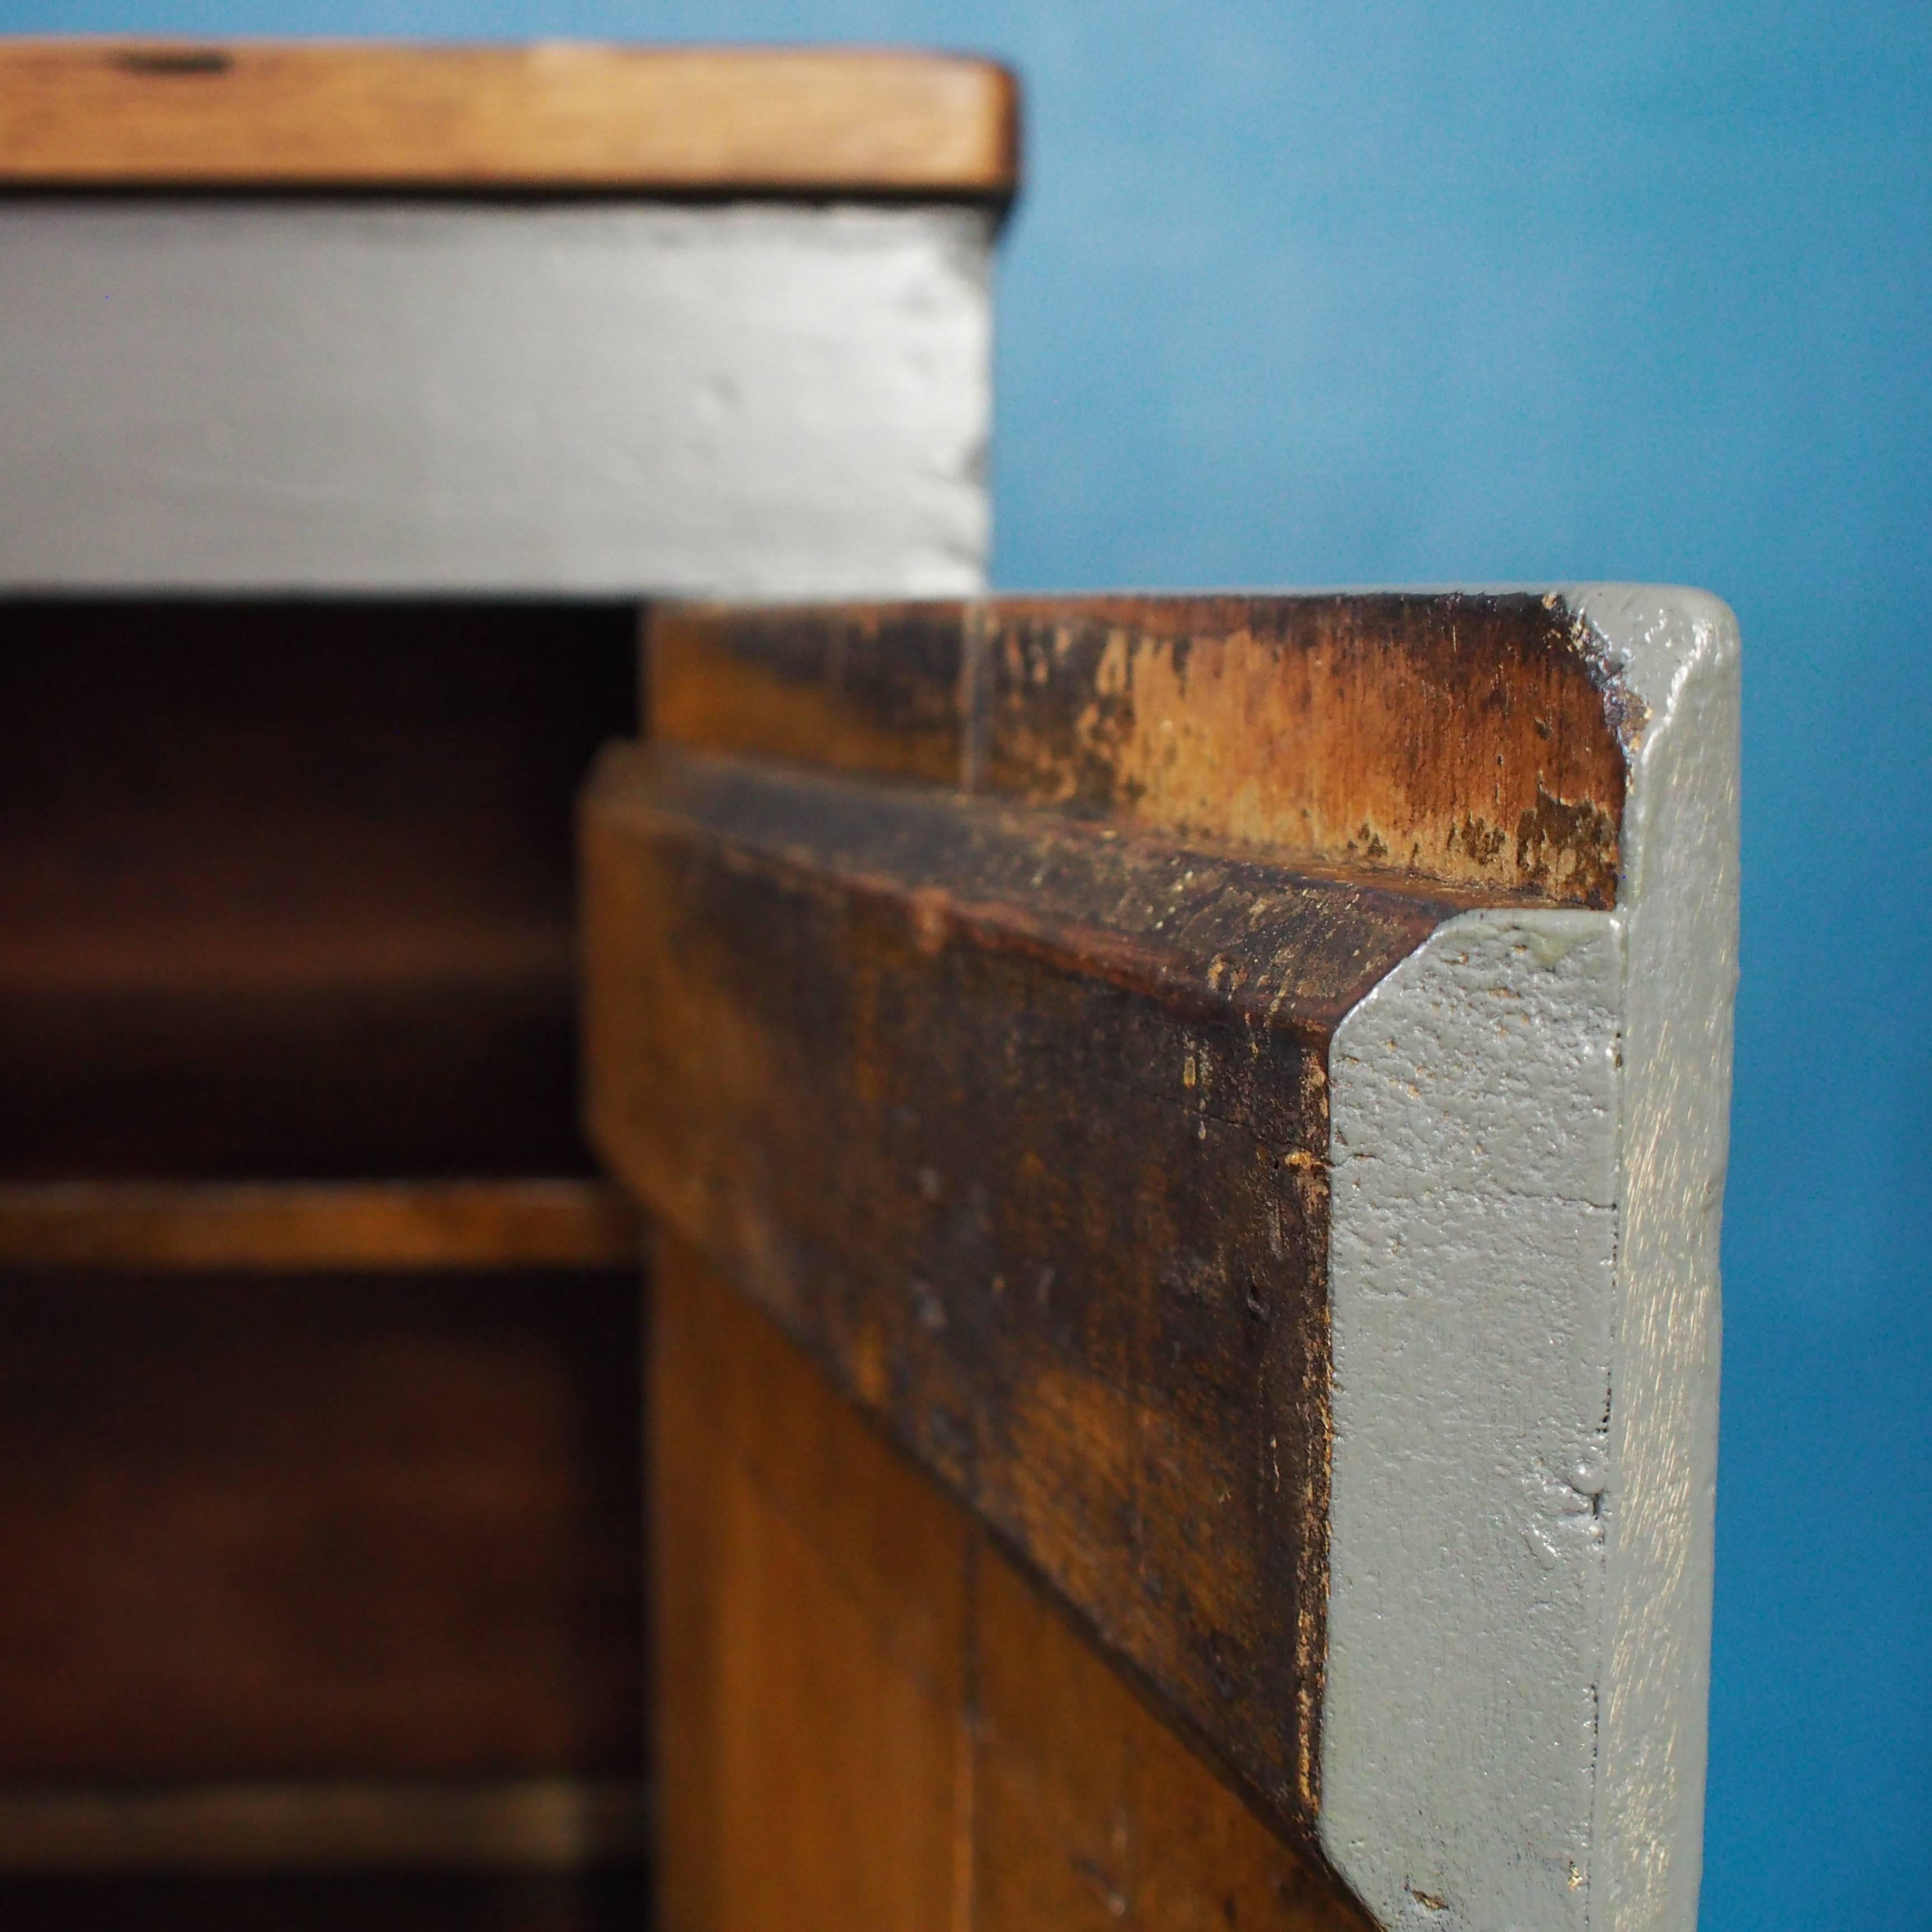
(1528, 1124)
(747, 400)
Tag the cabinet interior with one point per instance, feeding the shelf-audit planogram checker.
(287, 919)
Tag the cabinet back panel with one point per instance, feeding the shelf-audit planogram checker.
(287, 888)
(319, 1527)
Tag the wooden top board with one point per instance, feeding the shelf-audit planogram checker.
(319, 115)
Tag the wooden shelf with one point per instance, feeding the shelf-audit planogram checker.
(287, 1227)
(557, 119)
(530, 1824)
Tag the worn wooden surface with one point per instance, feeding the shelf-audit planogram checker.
(1009, 1099)
(320, 115)
(870, 1720)
(298, 1226)
(1474, 740)
(1182, 1064)
(1021, 1131)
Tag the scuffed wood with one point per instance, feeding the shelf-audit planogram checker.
(1020, 1128)
(877, 689)
(1468, 739)
(871, 1720)
(320, 115)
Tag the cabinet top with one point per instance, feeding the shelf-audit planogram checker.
(321, 115)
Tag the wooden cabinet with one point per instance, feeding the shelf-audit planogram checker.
(1234, 1089)
(1177, 1138)
(358, 400)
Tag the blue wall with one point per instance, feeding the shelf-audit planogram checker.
(1393, 292)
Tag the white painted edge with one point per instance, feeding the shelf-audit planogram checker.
(629, 399)
(1529, 1135)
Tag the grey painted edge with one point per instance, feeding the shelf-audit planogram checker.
(749, 401)
(1529, 1125)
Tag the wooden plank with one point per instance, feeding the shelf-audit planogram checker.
(531, 1824)
(339, 1527)
(315, 115)
(879, 689)
(870, 1721)
(1021, 1130)
(1255, 1136)
(811, 1640)
(291, 1226)
(1476, 739)
(1092, 1814)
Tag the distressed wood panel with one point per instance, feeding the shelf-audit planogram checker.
(1473, 739)
(1020, 1130)
(1282, 958)
(870, 1720)
(878, 688)
(318, 115)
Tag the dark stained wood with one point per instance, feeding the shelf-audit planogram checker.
(1468, 740)
(333, 1527)
(878, 688)
(1021, 1130)
(870, 1721)
(296, 1226)
(960, 982)
(285, 890)
(316, 116)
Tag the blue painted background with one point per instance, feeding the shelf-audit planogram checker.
(1386, 292)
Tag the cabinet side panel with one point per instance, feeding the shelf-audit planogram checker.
(871, 1719)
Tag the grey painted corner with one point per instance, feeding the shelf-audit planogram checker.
(553, 399)
(1528, 1122)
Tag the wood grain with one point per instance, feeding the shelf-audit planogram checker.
(125, 113)
(291, 1226)
(810, 1617)
(1022, 1131)
(1470, 739)
(1091, 1814)
(961, 979)
(871, 1719)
